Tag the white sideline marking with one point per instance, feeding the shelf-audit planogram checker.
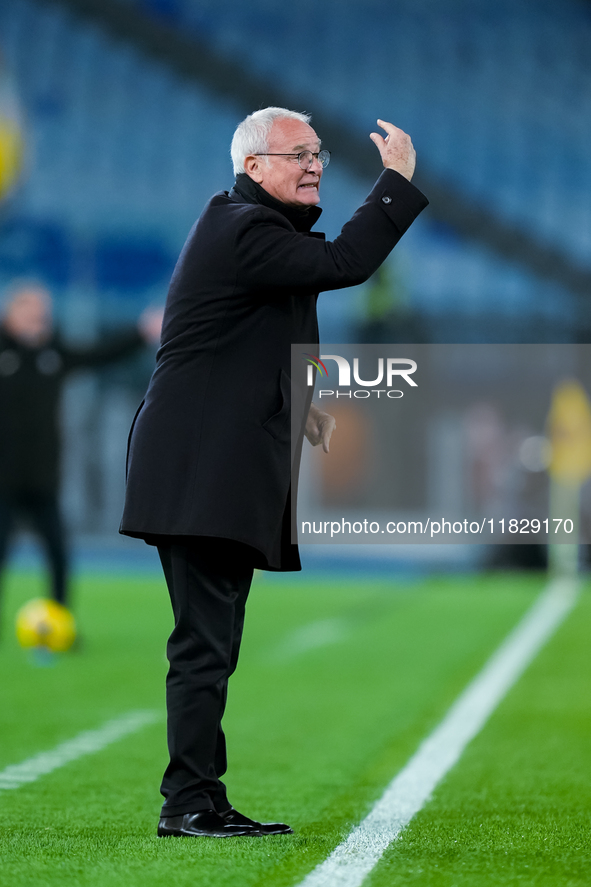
(351, 861)
(86, 743)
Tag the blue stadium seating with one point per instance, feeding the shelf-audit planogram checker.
(122, 152)
(495, 94)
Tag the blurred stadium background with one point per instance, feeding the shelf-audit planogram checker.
(115, 123)
(126, 111)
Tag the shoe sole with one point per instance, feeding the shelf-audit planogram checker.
(180, 834)
(283, 832)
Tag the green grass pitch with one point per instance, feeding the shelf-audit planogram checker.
(338, 683)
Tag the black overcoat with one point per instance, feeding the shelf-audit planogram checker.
(209, 451)
(31, 382)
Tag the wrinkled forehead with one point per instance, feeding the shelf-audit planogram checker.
(292, 135)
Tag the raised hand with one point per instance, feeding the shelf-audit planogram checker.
(319, 427)
(396, 149)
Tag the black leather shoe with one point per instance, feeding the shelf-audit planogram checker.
(233, 817)
(204, 824)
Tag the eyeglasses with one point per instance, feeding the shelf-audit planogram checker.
(305, 158)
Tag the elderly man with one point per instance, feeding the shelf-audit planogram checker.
(210, 455)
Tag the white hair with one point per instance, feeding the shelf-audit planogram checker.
(252, 135)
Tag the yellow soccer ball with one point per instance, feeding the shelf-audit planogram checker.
(46, 624)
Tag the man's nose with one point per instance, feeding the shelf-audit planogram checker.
(315, 166)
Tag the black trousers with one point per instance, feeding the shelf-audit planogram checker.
(41, 512)
(208, 581)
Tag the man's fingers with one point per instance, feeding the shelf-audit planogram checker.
(396, 150)
(378, 142)
(327, 429)
(319, 428)
(389, 127)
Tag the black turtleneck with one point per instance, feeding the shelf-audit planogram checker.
(301, 219)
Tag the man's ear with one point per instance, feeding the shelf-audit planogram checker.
(253, 167)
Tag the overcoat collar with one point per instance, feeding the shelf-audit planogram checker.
(247, 190)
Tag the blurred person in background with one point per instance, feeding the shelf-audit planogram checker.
(385, 313)
(34, 363)
(210, 458)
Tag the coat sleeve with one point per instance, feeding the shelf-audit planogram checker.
(270, 254)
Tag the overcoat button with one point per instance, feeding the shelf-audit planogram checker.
(386, 200)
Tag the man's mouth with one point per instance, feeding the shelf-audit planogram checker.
(313, 185)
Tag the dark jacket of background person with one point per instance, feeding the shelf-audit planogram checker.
(31, 381)
(209, 451)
